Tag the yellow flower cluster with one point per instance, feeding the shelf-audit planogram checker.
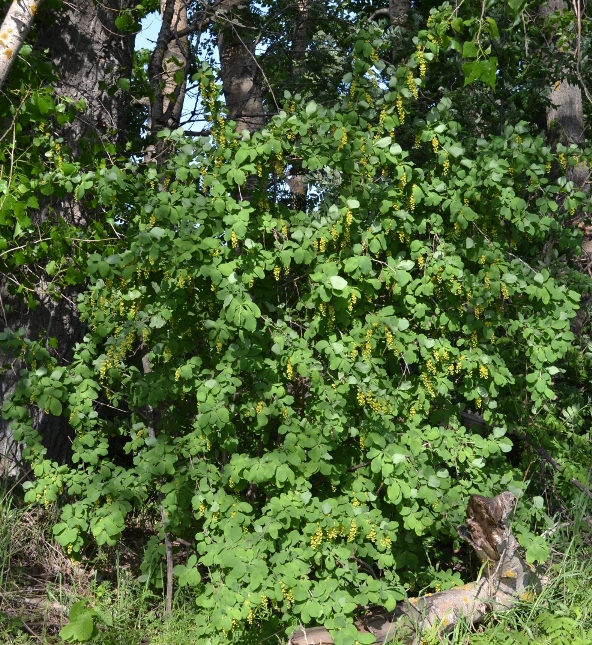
(411, 203)
(386, 542)
(287, 593)
(208, 92)
(316, 539)
(422, 62)
(289, 370)
(428, 384)
(352, 301)
(361, 397)
(441, 354)
(277, 271)
(390, 339)
(334, 233)
(562, 160)
(353, 531)
(504, 290)
(331, 309)
(333, 533)
(367, 347)
(483, 372)
(400, 109)
(446, 166)
(412, 86)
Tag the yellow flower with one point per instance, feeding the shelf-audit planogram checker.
(400, 109)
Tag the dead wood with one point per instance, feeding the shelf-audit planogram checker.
(506, 578)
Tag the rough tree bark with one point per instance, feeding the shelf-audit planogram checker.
(398, 10)
(565, 116)
(241, 80)
(507, 577)
(90, 54)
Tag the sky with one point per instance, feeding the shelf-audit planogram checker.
(146, 39)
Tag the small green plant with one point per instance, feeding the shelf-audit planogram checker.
(81, 625)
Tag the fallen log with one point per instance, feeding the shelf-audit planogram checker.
(506, 578)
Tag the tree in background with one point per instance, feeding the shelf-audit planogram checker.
(314, 328)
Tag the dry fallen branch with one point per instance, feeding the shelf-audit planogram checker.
(506, 579)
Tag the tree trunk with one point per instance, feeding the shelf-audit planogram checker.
(565, 116)
(13, 32)
(241, 82)
(398, 10)
(168, 67)
(90, 54)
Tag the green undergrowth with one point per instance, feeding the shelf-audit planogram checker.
(125, 611)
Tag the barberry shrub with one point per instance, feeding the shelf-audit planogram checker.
(290, 378)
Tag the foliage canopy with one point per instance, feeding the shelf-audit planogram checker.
(291, 378)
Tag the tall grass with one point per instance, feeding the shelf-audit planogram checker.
(560, 615)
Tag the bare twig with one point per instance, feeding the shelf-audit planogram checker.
(380, 13)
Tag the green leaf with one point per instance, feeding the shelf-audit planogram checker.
(383, 142)
(55, 407)
(80, 627)
(311, 108)
(516, 5)
(470, 49)
(337, 282)
(538, 551)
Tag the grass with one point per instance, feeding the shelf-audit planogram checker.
(39, 584)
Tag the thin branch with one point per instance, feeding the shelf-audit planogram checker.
(351, 469)
(380, 13)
